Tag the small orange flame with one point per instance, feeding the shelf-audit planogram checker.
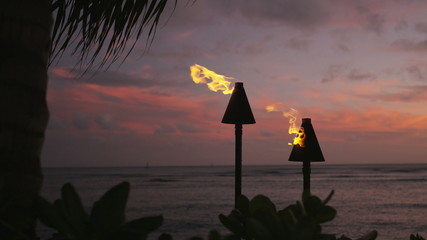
(300, 138)
(292, 115)
(200, 74)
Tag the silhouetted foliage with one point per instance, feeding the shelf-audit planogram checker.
(259, 219)
(416, 237)
(256, 219)
(106, 220)
(99, 26)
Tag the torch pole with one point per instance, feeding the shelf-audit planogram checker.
(238, 112)
(306, 171)
(238, 164)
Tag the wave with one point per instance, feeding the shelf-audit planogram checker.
(114, 175)
(406, 205)
(161, 180)
(272, 172)
(410, 180)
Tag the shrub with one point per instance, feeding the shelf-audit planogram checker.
(106, 220)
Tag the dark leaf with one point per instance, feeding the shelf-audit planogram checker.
(288, 219)
(261, 202)
(296, 209)
(269, 218)
(64, 226)
(214, 235)
(165, 236)
(137, 229)
(75, 214)
(307, 228)
(328, 198)
(243, 205)
(231, 237)
(108, 213)
(326, 237)
(195, 238)
(47, 213)
(312, 204)
(343, 238)
(231, 224)
(325, 214)
(257, 230)
(372, 235)
(236, 214)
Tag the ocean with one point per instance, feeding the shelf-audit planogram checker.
(391, 199)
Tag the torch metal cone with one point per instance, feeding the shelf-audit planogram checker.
(310, 151)
(238, 109)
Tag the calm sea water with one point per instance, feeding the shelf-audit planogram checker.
(391, 199)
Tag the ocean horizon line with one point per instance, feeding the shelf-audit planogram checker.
(231, 165)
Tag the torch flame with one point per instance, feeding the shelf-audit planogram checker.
(200, 74)
(292, 115)
(300, 137)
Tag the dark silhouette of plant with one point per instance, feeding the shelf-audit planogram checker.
(258, 219)
(416, 237)
(215, 235)
(103, 27)
(106, 220)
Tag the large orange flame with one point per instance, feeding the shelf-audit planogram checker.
(218, 82)
(292, 115)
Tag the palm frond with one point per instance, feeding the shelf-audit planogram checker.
(94, 27)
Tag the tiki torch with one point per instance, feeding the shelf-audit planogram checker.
(238, 113)
(306, 150)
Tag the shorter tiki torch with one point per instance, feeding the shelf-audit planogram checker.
(306, 150)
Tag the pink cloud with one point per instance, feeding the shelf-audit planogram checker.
(137, 111)
(63, 72)
(373, 15)
(371, 124)
(194, 122)
(182, 36)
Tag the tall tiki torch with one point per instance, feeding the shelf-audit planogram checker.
(238, 113)
(306, 150)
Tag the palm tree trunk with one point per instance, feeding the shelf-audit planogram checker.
(25, 27)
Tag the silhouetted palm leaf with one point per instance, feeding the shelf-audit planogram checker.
(94, 27)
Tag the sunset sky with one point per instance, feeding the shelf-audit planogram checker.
(358, 69)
